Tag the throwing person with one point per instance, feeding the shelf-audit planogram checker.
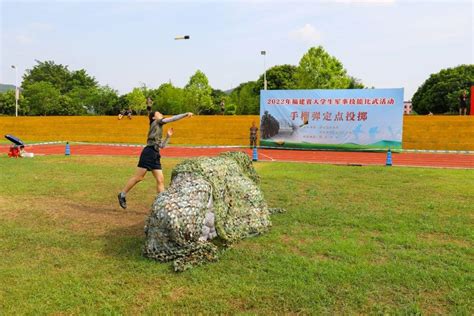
(150, 156)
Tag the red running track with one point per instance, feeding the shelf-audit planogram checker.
(440, 160)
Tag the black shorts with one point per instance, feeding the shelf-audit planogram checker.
(150, 159)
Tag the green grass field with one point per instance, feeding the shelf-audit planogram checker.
(354, 240)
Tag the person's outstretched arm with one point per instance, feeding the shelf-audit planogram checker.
(176, 118)
(164, 142)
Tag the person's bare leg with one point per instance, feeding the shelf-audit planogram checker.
(137, 177)
(160, 180)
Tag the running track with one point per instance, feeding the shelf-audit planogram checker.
(439, 160)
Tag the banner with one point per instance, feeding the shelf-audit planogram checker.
(346, 119)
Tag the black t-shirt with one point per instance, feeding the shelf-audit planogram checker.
(462, 101)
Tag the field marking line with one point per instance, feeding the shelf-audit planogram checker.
(267, 157)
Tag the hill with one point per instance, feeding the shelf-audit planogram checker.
(6, 87)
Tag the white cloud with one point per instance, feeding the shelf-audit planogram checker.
(306, 34)
(27, 34)
(24, 39)
(41, 27)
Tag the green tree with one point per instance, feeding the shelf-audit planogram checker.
(280, 77)
(219, 97)
(78, 92)
(230, 109)
(355, 83)
(198, 95)
(319, 70)
(80, 101)
(81, 79)
(169, 99)
(42, 98)
(440, 92)
(58, 76)
(136, 100)
(148, 92)
(122, 103)
(107, 101)
(245, 98)
(7, 103)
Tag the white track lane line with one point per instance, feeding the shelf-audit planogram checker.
(267, 156)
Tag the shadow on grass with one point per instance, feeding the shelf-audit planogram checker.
(90, 210)
(121, 231)
(125, 243)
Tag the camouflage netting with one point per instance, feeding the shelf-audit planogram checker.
(210, 202)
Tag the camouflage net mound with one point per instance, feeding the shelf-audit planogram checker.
(210, 202)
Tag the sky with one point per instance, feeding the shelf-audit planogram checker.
(127, 44)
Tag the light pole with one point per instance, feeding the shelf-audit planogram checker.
(17, 91)
(264, 53)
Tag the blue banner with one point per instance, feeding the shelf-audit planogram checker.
(332, 119)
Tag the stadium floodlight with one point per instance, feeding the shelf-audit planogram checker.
(17, 91)
(264, 53)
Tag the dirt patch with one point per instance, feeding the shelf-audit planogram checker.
(95, 219)
(290, 240)
(433, 303)
(444, 239)
(249, 245)
(106, 161)
(286, 239)
(379, 260)
(429, 302)
(177, 293)
(293, 245)
(321, 257)
(149, 291)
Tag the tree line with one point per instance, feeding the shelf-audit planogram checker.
(440, 93)
(53, 89)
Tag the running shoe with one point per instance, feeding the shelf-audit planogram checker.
(122, 201)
